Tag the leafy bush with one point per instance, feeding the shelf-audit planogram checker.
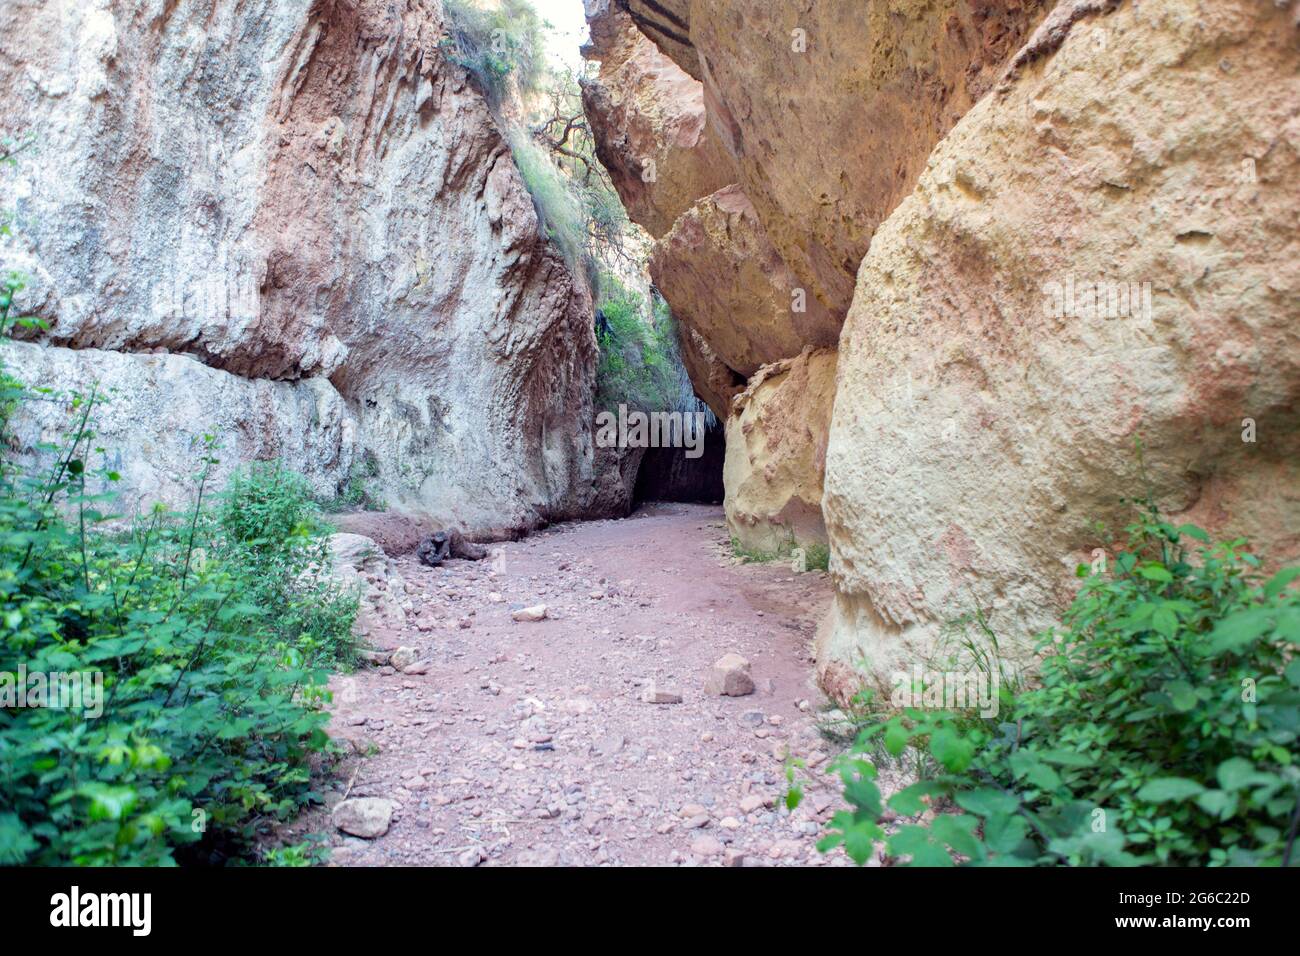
(1163, 731)
(274, 531)
(212, 632)
(639, 362)
(494, 44)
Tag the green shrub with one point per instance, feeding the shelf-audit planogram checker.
(1163, 730)
(639, 362)
(494, 44)
(358, 493)
(211, 701)
(560, 211)
(274, 532)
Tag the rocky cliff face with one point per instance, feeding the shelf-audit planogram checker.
(776, 454)
(1078, 269)
(297, 216)
(1055, 229)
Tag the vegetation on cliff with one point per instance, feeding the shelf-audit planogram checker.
(1163, 730)
(162, 678)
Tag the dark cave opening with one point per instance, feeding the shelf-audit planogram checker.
(666, 474)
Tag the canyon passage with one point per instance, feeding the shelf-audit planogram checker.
(494, 432)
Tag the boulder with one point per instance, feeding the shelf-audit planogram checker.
(776, 455)
(1101, 253)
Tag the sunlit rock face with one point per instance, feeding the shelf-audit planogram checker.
(829, 109)
(725, 281)
(1056, 229)
(776, 455)
(648, 120)
(1102, 252)
(305, 194)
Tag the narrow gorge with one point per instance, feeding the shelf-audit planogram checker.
(923, 301)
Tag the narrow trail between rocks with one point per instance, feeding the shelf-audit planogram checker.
(529, 742)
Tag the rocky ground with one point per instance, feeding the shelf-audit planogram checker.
(500, 741)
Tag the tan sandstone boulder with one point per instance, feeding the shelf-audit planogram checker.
(725, 281)
(830, 108)
(776, 455)
(1103, 252)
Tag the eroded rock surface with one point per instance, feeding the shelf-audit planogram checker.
(776, 454)
(648, 120)
(1078, 269)
(726, 281)
(304, 192)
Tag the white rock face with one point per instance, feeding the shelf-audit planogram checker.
(151, 412)
(307, 193)
(360, 566)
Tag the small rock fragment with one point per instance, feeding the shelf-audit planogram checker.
(367, 817)
(652, 695)
(730, 677)
(530, 614)
(403, 657)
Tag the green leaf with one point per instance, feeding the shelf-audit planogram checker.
(1155, 572)
(908, 801)
(1237, 773)
(1005, 834)
(1164, 621)
(952, 750)
(1181, 695)
(916, 842)
(1278, 582)
(1237, 630)
(987, 802)
(958, 831)
(896, 737)
(1218, 803)
(1165, 789)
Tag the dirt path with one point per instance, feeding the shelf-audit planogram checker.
(528, 743)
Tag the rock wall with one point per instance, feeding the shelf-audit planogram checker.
(1055, 229)
(776, 454)
(992, 384)
(300, 199)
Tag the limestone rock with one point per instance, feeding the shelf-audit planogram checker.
(729, 677)
(648, 121)
(714, 382)
(366, 817)
(1101, 252)
(725, 281)
(653, 695)
(776, 454)
(151, 409)
(831, 109)
(360, 566)
(530, 614)
(321, 208)
(403, 657)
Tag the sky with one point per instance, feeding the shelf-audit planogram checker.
(569, 30)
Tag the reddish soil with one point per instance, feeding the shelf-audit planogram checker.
(528, 743)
